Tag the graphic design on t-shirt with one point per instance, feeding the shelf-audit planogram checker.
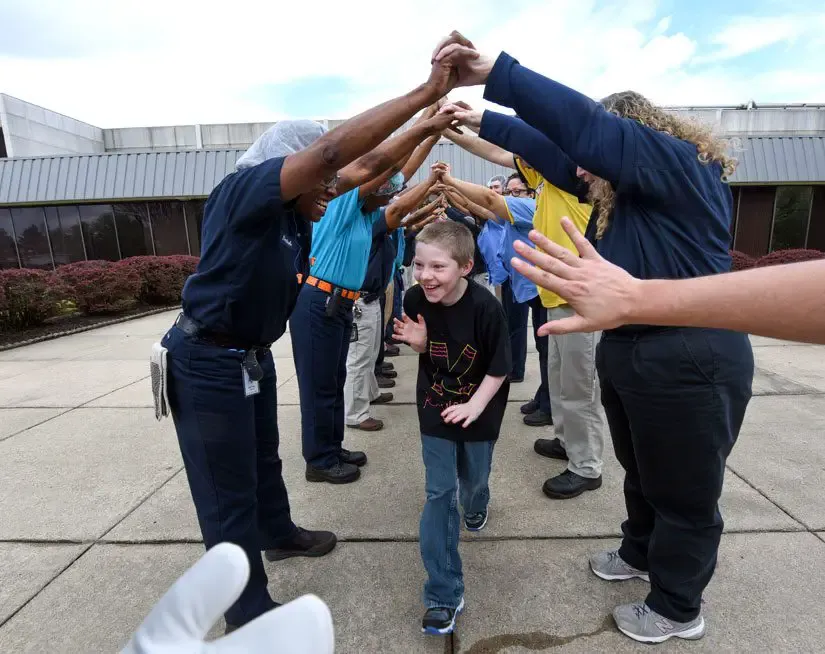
(449, 388)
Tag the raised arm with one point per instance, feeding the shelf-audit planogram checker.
(406, 203)
(465, 204)
(481, 148)
(481, 195)
(419, 156)
(533, 147)
(322, 160)
(369, 172)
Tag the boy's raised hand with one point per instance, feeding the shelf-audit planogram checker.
(413, 333)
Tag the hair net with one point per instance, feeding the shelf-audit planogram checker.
(283, 138)
(501, 179)
(392, 186)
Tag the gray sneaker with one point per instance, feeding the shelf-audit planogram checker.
(641, 623)
(610, 566)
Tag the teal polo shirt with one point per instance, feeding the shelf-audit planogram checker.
(341, 242)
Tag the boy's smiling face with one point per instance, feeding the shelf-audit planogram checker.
(439, 274)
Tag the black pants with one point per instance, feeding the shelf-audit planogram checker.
(539, 314)
(517, 314)
(229, 444)
(675, 400)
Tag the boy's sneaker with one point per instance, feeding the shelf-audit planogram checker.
(439, 621)
(640, 622)
(475, 521)
(611, 567)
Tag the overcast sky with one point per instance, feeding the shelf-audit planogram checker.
(119, 63)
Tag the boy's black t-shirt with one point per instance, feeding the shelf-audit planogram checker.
(465, 342)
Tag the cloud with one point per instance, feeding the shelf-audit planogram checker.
(747, 34)
(154, 62)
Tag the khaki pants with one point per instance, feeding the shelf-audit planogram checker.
(361, 386)
(389, 298)
(575, 397)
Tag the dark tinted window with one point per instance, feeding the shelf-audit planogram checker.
(8, 253)
(32, 240)
(169, 228)
(194, 220)
(133, 230)
(64, 232)
(99, 232)
(790, 219)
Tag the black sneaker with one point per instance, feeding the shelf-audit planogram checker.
(440, 621)
(475, 521)
(384, 382)
(340, 473)
(568, 485)
(385, 367)
(304, 543)
(355, 458)
(530, 407)
(538, 419)
(551, 448)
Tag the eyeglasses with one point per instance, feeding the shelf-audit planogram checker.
(518, 192)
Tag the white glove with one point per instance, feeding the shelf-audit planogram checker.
(181, 619)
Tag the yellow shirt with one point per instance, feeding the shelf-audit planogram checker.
(551, 205)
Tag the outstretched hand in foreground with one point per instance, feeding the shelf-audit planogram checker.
(180, 621)
(601, 293)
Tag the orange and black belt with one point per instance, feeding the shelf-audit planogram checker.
(326, 287)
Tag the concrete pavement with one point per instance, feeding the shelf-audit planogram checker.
(96, 520)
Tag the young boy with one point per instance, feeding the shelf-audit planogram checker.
(460, 331)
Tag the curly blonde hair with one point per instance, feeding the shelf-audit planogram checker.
(629, 104)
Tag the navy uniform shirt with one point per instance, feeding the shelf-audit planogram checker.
(672, 214)
(381, 261)
(252, 249)
(479, 267)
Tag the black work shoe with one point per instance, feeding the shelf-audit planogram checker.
(516, 380)
(440, 621)
(340, 473)
(383, 382)
(538, 419)
(568, 485)
(386, 374)
(355, 458)
(551, 448)
(530, 407)
(384, 367)
(384, 398)
(304, 543)
(391, 350)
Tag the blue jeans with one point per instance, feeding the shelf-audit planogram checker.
(451, 469)
(319, 346)
(229, 444)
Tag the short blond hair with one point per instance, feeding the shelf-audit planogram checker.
(452, 237)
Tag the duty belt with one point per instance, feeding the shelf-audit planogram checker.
(229, 341)
(331, 289)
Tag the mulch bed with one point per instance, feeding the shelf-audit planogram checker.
(72, 324)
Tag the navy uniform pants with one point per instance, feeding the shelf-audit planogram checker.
(319, 345)
(229, 444)
(517, 314)
(675, 400)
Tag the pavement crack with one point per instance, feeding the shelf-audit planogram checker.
(533, 641)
